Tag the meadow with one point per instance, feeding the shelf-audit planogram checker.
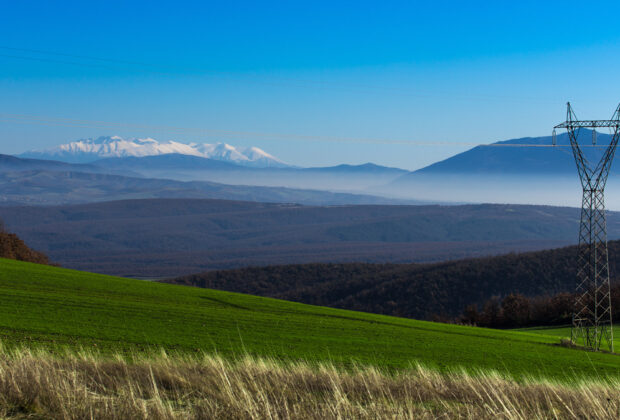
(40, 385)
(53, 308)
(564, 332)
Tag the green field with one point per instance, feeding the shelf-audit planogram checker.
(564, 332)
(54, 307)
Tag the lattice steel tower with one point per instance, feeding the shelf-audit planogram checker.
(592, 323)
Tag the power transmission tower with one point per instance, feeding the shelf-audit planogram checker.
(592, 323)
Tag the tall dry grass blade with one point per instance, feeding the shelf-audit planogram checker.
(164, 386)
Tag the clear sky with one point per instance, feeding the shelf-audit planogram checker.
(295, 77)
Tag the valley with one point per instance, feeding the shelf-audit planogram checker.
(309, 211)
(335, 272)
(172, 237)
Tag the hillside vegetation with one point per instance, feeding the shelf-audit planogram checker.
(422, 291)
(166, 237)
(12, 247)
(53, 307)
(516, 310)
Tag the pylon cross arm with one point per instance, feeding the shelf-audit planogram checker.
(589, 124)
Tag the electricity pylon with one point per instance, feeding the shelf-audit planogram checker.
(592, 323)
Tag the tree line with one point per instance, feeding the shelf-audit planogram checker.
(438, 291)
(517, 310)
(12, 247)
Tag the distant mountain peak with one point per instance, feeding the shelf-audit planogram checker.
(91, 149)
(541, 159)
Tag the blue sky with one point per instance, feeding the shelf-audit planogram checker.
(293, 78)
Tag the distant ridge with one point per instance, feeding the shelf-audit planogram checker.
(503, 158)
(192, 162)
(89, 150)
(506, 172)
(368, 167)
(340, 178)
(167, 162)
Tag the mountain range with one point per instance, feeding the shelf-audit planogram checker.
(89, 150)
(219, 163)
(524, 171)
(336, 229)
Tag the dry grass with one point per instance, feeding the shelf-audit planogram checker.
(37, 385)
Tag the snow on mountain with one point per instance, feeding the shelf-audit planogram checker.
(222, 151)
(89, 150)
(259, 157)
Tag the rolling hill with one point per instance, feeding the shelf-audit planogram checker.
(171, 237)
(54, 308)
(60, 184)
(352, 178)
(420, 291)
(10, 163)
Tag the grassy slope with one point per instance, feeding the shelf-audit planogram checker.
(41, 304)
(564, 332)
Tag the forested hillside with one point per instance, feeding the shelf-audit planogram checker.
(172, 237)
(423, 291)
(13, 248)
(517, 311)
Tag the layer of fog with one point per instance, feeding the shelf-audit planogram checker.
(515, 189)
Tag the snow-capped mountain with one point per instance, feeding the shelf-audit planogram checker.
(89, 150)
